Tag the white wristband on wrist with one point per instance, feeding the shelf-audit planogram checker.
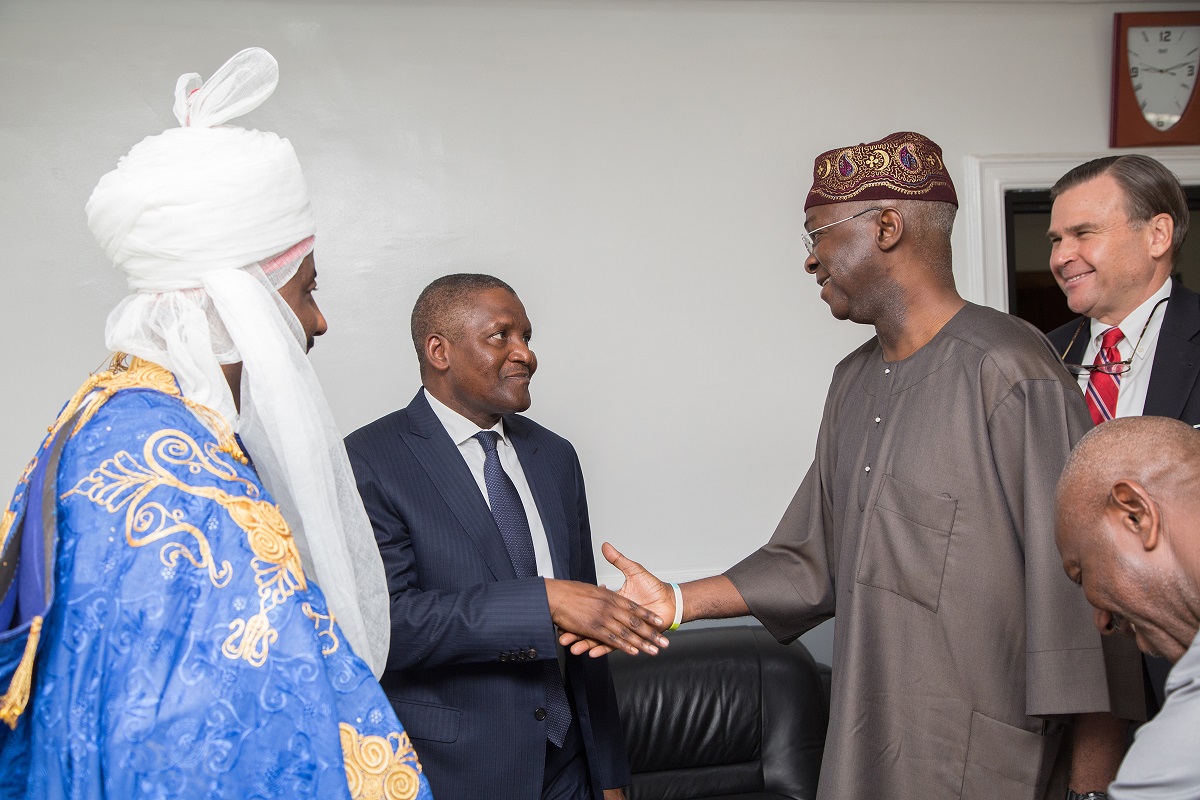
(678, 607)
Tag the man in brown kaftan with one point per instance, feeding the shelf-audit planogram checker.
(957, 644)
(926, 522)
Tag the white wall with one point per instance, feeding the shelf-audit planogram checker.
(635, 168)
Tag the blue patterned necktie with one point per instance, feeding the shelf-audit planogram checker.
(509, 513)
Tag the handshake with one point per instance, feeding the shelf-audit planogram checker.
(595, 620)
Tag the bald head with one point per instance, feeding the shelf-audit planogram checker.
(1128, 529)
(1159, 453)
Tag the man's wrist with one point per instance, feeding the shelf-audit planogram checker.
(1074, 795)
(675, 623)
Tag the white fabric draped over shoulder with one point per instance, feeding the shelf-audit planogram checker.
(190, 216)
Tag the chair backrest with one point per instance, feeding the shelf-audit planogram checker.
(724, 711)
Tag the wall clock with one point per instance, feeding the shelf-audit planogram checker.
(1156, 62)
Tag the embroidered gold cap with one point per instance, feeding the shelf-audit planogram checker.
(901, 166)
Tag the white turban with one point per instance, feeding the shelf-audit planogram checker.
(192, 217)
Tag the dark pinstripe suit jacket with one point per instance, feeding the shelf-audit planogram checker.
(460, 616)
(1173, 391)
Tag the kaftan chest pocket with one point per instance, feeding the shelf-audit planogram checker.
(907, 540)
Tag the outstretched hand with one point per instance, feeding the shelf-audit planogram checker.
(640, 587)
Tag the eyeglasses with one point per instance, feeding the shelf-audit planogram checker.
(810, 244)
(1112, 367)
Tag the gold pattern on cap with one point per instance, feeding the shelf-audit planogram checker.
(908, 164)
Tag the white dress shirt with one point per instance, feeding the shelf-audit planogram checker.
(1131, 397)
(462, 432)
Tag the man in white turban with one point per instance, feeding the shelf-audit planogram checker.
(164, 633)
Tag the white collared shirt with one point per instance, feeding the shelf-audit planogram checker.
(1131, 398)
(462, 432)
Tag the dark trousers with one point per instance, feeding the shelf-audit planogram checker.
(566, 775)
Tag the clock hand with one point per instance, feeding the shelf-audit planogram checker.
(1171, 70)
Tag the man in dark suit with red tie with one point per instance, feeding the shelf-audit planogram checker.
(1116, 229)
(482, 521)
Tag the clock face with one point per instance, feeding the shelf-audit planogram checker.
(1163, 62)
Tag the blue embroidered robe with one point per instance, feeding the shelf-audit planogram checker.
(182, 652)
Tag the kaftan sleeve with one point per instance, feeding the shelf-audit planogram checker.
(1069, 670)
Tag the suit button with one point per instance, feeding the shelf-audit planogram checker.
(540, 714)
(504, 656)
(533, 652)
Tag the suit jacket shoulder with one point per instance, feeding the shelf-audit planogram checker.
(378, 437)
(1174, 390)
(521, 427)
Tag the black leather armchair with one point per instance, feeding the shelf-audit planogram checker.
(723, 713)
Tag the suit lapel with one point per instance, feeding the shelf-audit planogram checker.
(439, 456)
(1177, 356)
(546, 493)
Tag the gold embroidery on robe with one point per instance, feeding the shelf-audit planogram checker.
(124, 482)
(379, 768)
(316, 618)
(251, 640)
(135, 373)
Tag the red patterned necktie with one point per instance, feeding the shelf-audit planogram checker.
(1102, 387)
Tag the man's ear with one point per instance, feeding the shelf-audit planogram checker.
(889, 228)
(437, 354)
(1138, 513)
(1160, 231)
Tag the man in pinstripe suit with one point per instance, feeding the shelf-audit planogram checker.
(475, 668)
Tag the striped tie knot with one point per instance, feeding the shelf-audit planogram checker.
(1110, 339)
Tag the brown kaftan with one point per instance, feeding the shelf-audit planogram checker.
(927, 523)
